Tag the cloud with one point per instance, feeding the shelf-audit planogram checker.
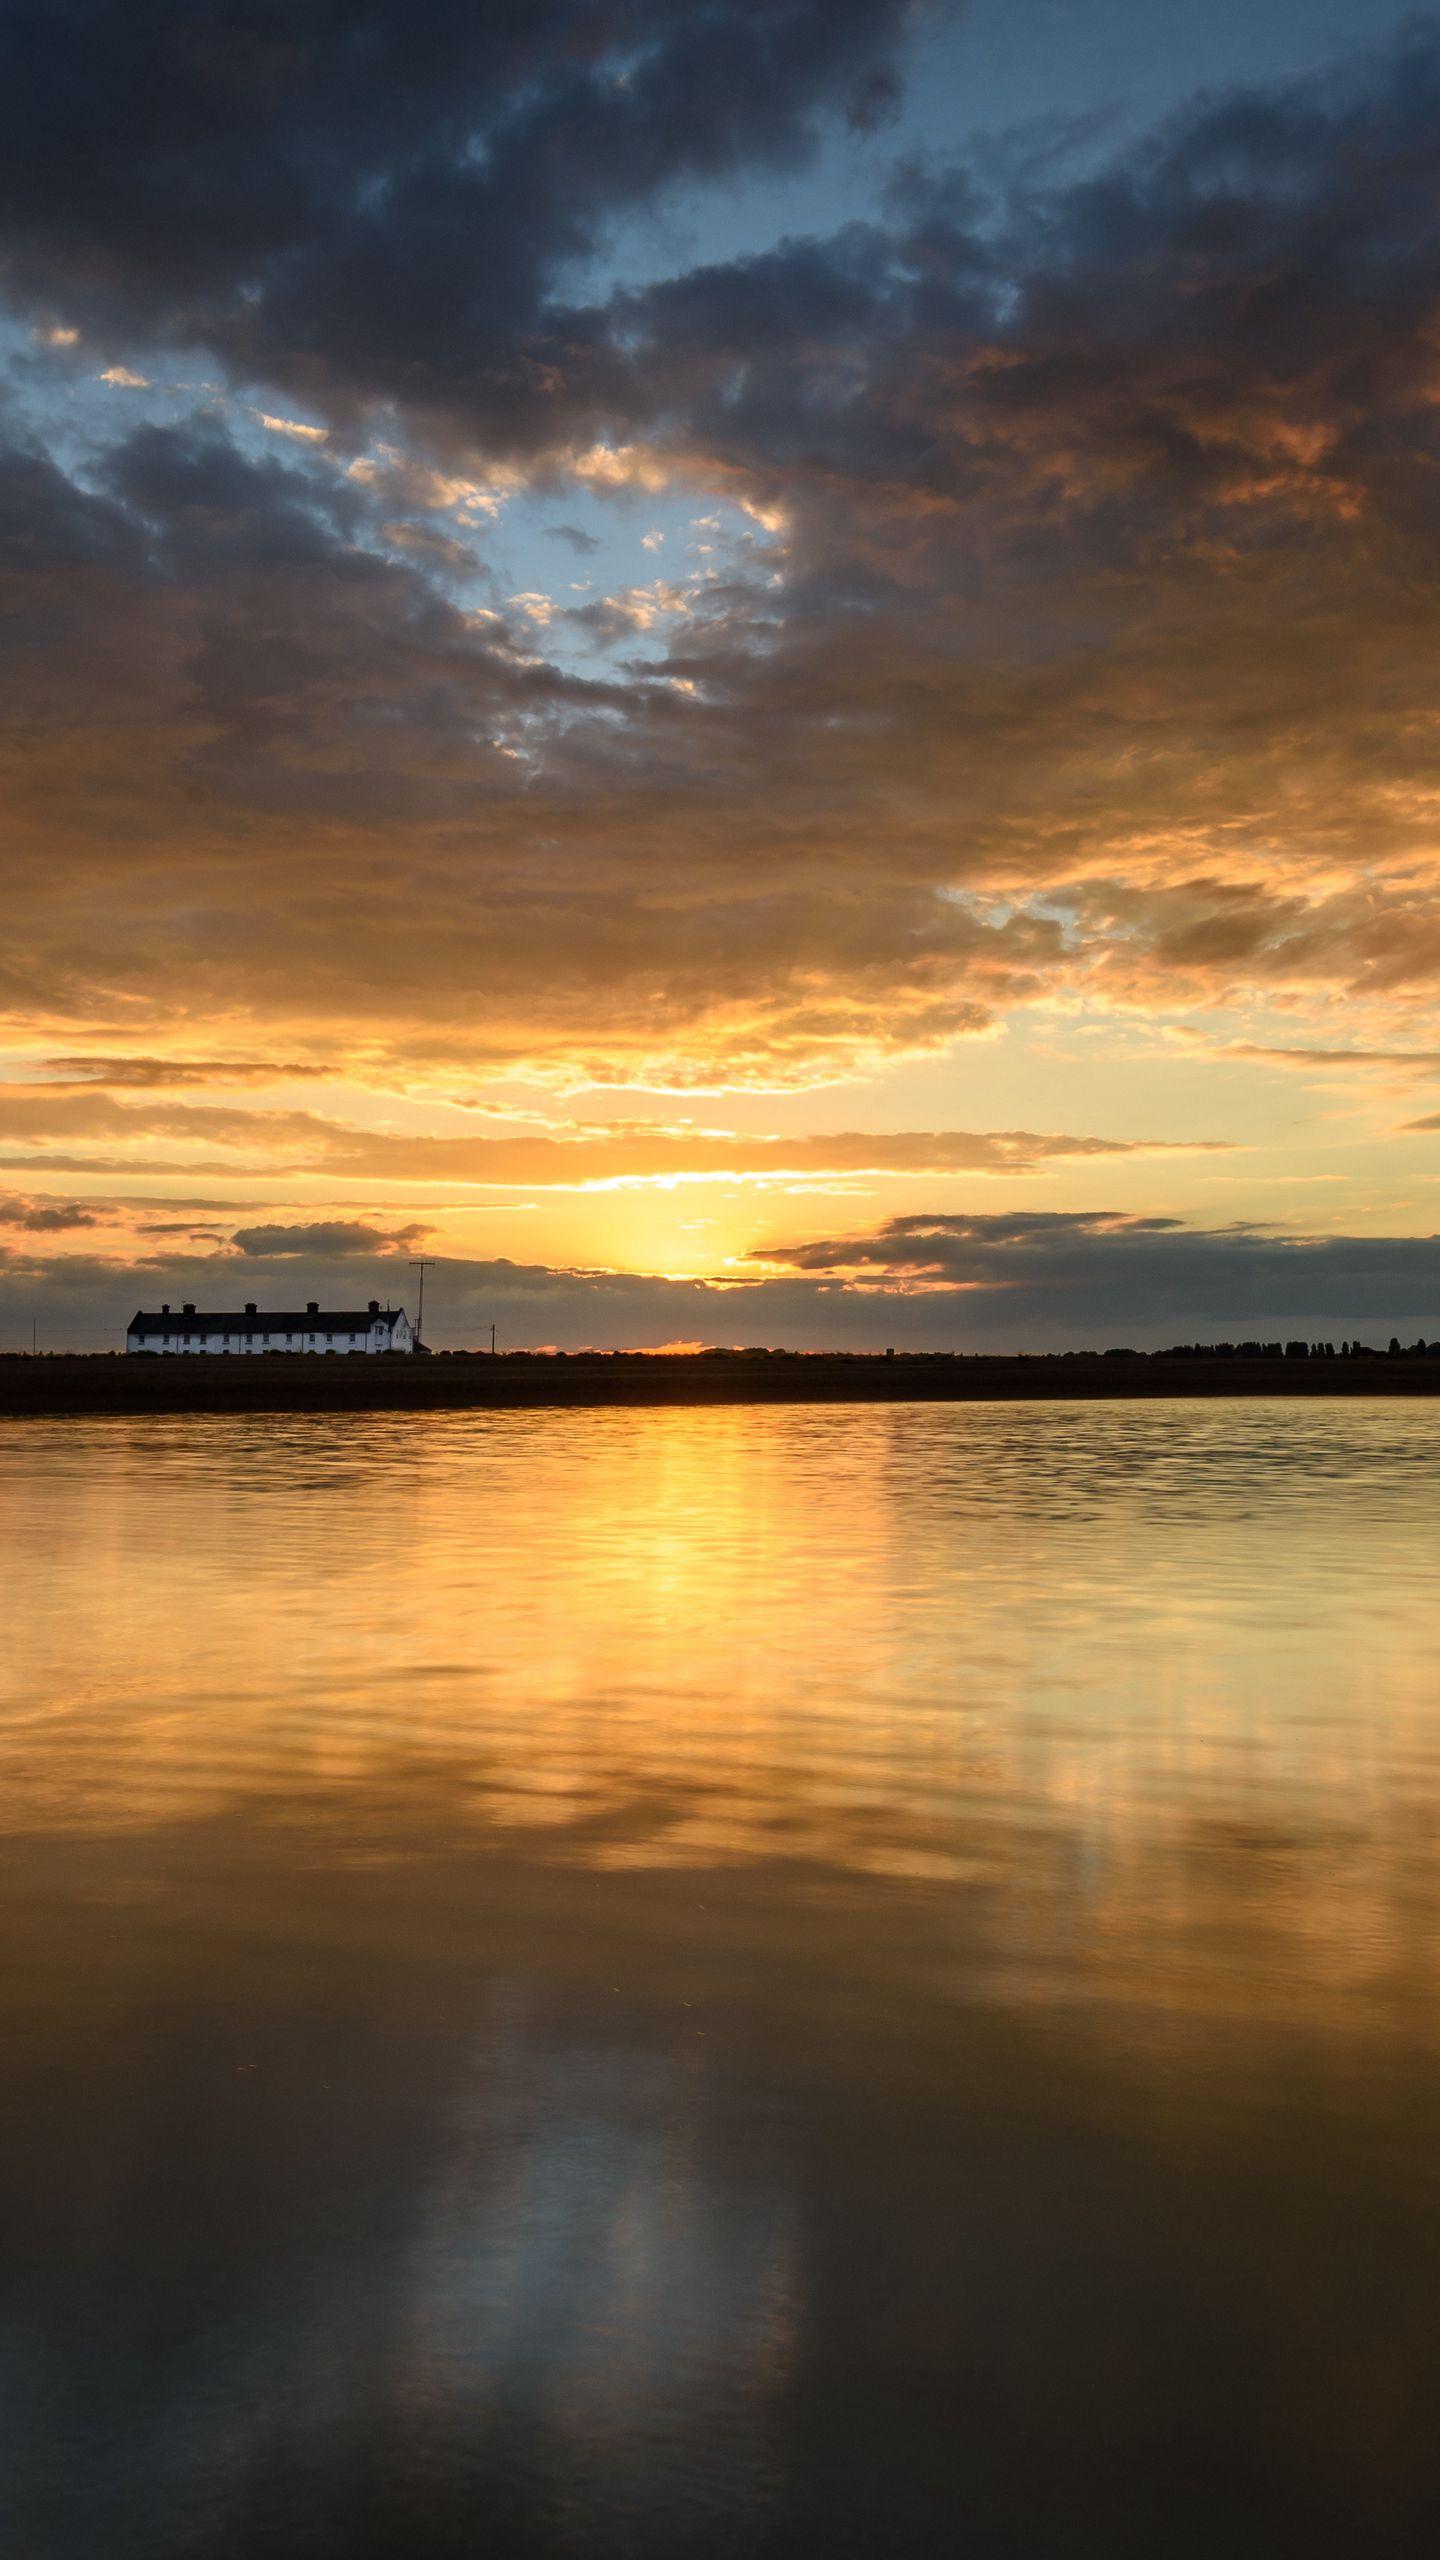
(631, 611)
(874, 101)
(44, 1112)
(1423, 1064)
(194, 1231)
(384, 216)
(1080, 644)
(1067, 1276)
(581, 543)
(326, 1240)
(292, 427)
(94, 1067)
(46, 1217)
(570, 1157)
(1087, 1278)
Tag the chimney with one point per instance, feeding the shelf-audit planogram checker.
(312, 1306)
(374, 1306)
(249, 1307)
(189, 1307)
(165, 1310)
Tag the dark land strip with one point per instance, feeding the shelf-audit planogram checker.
(289, 1382)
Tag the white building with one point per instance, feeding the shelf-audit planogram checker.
(372, 1328)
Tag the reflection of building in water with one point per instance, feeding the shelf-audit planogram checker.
(373, 1328)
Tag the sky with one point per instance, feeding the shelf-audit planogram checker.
(750, 670)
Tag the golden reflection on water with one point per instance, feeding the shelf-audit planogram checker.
(622, 1984)
(1153, 1690)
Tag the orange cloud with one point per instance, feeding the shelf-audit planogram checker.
(625, 1152)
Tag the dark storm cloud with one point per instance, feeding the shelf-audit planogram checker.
(45, 1217)
(217, 706)
(287, 773)
(326, 1239)
(50, 526)
(367, 200)
(1108, 509)
(1071, 1271)
(1088, 1279)
(970, 1249)
(1097, 643)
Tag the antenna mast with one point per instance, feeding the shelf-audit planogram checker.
(422, 1268)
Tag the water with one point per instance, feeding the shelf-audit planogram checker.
(664, 1984)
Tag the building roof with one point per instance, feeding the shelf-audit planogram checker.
(252, 1319)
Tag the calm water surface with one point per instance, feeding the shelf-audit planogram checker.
(661, 1984)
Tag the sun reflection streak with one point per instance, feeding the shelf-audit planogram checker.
(1008, 1657)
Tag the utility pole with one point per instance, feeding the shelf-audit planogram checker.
(422, 1268)
(492, 1342)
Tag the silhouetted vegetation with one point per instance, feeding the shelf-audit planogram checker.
(301, 1382)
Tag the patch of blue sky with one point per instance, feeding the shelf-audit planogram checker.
(604, 577)
(595, 571)
(981, 87)
(76, 401)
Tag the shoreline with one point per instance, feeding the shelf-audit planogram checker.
(61, 1383)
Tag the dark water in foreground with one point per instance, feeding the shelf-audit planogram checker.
(664, 1984)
